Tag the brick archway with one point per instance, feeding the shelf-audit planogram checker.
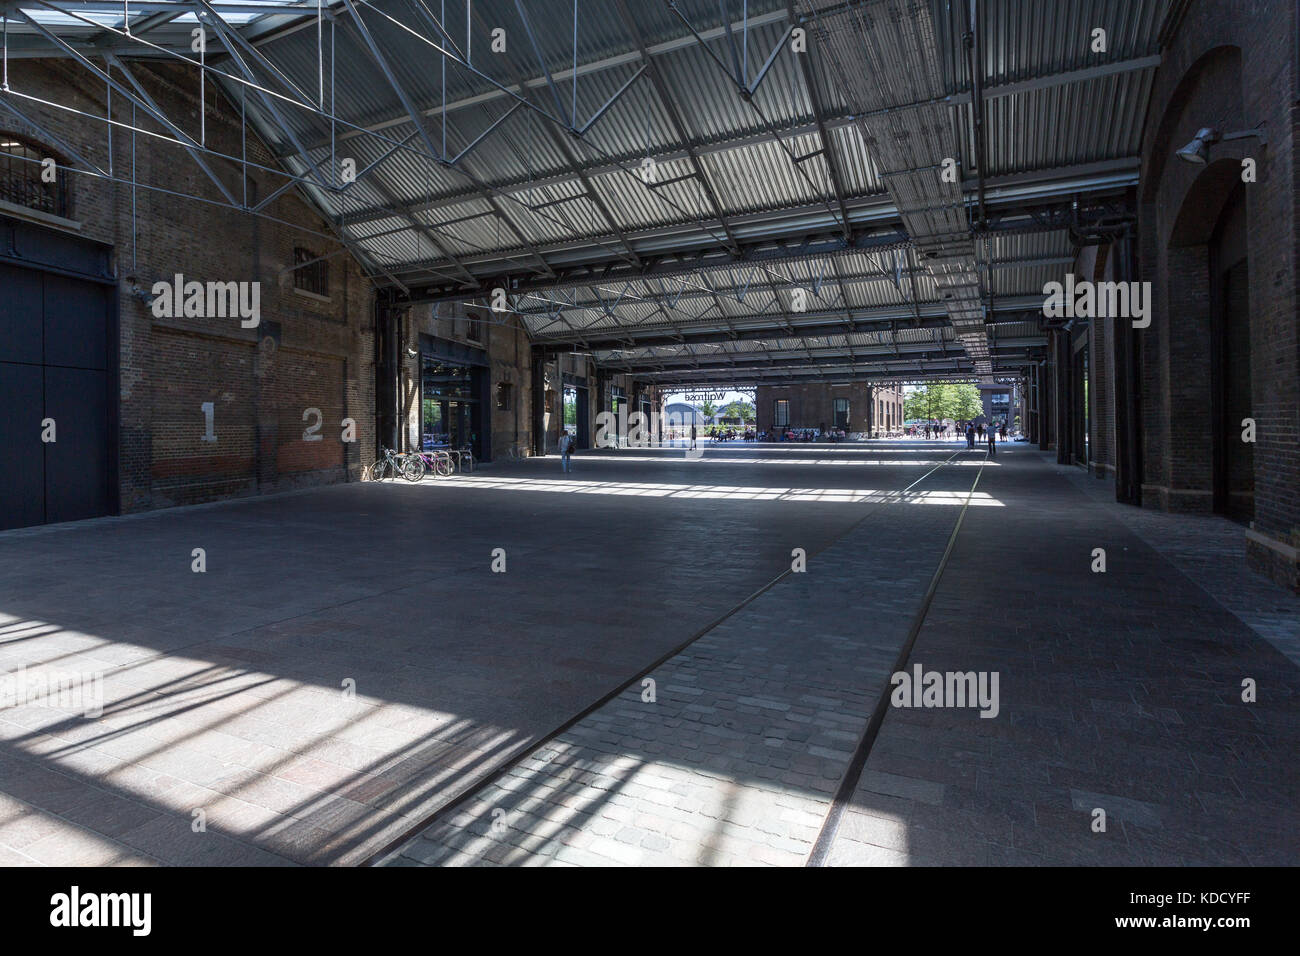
(1182, 207)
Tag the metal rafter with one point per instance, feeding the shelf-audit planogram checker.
(433, 152)
(206, 14)
(828, 150)
(674, 117)
(571, 161)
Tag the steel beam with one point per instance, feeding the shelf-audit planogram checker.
(822, 358)
(675, 118)
(112, 61)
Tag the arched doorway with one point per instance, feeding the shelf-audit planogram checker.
(1230, 378)
(1210, 348)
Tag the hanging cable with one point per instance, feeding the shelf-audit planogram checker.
(203, 86)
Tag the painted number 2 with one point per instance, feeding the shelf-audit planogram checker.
(311, 432)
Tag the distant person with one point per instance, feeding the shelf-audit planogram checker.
(970, 436)
(692, 436)
(1002, 431)
(993, 443)
(566, 451)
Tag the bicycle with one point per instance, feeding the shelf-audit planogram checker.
(391, 464)
(439, 462)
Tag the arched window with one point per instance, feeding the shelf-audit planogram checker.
(22, 182)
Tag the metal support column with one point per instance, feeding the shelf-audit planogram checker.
(1062, 403)
(1046, 399)
(1128, 391)
(539, 400)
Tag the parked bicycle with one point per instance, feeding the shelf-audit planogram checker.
(438, 462)
(390, 464)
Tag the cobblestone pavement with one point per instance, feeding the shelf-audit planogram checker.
(1118, 691)
(750, 729)
(348, 661)
(227, 692)
(1211, 550)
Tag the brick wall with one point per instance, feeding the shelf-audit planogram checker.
(813, 406)
(1230, 65)
(308, 351)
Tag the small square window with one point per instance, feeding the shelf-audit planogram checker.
(311, 272)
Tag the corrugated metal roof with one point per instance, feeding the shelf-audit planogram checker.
(743, 169)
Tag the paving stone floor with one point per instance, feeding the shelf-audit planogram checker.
(1118, 691)
(1211, 550)
(349, 663)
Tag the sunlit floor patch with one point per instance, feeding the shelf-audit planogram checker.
(268, 770)
(712, 459)
(723, 492)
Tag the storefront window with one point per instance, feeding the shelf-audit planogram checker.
(449, 405)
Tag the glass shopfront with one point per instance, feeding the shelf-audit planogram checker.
(575, 412)
(618, 405)
(451, 407)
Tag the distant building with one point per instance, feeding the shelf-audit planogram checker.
(1001, 403)
(856, 407)
(681, 414)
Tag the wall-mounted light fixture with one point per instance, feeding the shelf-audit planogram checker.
(1197, 151)
(133, 285)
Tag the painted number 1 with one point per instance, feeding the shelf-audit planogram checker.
(209, 411)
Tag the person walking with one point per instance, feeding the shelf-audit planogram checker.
(1002, 432)
(970, 436)
(993, 442)
(692, 435)
(566, 450)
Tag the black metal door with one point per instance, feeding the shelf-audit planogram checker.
(54, 380)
